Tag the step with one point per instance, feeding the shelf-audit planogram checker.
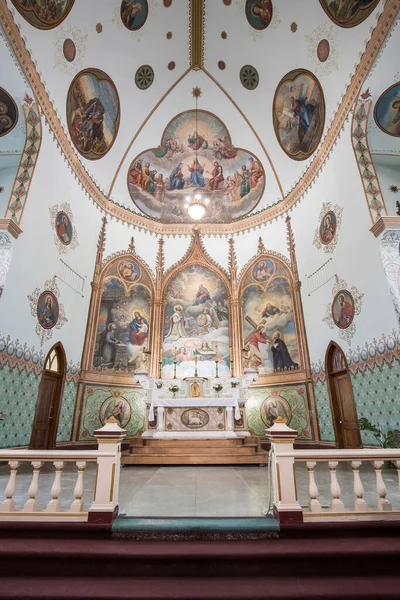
(193, 459)
(194, 442)
(233, 450)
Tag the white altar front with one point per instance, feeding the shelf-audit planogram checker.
(196, 409)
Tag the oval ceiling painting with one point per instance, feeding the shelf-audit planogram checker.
(8, 113)
(134, 13)
(93, 113)
(259, 13)
(387, 111)
(196, 158)
(299, 113)
(44, 14)
(348, 13)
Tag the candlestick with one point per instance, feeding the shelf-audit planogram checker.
(216, 361)
(174, 363)
(160, 369)
(196, 360)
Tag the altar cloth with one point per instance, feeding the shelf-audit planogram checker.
(193, 403)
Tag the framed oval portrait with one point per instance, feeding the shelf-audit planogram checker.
(129, 270)
(348, 13)
(387, 111)
(327, 228)
(298, 113)
(259, 13)
(134, 13)
(263, 270)
(93, 113)
(8, 113)
(69, 50)
(63, 227)
(116, 407)
(343, 309)
(47, 310)
(44, 14)
(274, 407)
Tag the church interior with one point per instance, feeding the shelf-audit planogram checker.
(200, 228)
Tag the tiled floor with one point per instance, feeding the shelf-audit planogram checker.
(198, 491)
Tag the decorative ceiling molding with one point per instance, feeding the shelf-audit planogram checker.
(196, 32)
(259, 218)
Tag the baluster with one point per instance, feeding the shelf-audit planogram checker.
(77, 504)
(313, 504)
(337, 505)
(30, 505)
(360, 505)
(54, 504)
(8, 504)
(383, 502)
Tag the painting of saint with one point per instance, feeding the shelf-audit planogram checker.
(129, 270)
(196, 323)
(263, 270)
(343, 309)
(274, 407)
(93, 113)
(327, 227)
(44, 14)
(134, 13)
(47, 310)
(259, 13)
(8, 113)
(299, 114)
(118, 408)
(348, 13)
(387, 111)
(196, 155)
(64, 228)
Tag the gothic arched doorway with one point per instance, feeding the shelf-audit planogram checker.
(48, 406)
(344, 413)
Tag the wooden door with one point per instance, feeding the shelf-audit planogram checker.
(48, 406)
(343, 407)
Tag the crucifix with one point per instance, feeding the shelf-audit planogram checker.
(196, 360)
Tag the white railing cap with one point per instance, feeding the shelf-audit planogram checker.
(110, 430)
(280, 430)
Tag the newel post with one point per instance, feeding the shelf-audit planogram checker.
(286, 505)
(104, 508)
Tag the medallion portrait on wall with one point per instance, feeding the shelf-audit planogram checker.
(8, 113)
(47, 310)
(93, 113)
(263, 270)
(134, 13)
(129, 270)
(387, 111)
(63, 227)
(196, 155)
(69, 50)
(274, 407)
(327, 228)
(348, 13)
(323, 50)
(259, 13)
(343, 309)
(116, 407)
(299, 113)
(44, 14)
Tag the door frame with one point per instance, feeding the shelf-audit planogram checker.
(62, 361)
(330, 373)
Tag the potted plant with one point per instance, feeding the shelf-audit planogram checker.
(159, 384)
(173, 389)
(234, 384)
(390, 439)
(218, 387)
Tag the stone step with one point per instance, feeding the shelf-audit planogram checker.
(183, 442)
(193, 459)
(170, 450)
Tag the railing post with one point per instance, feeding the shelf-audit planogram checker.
(104, 508)
(8, 504)
(383, 502)
(54, 504)
(30, 505)
(337, 505)
(360, 505)
(286, 505)
(314, 504)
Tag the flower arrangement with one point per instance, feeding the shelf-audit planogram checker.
(173, 389)
(159, 384)
(218, 387)
(234, 384)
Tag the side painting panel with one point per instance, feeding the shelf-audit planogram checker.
(196, 324)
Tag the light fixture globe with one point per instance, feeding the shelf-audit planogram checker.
(197, 208)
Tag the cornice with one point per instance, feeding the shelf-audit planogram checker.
(258, 219)
(385, 223)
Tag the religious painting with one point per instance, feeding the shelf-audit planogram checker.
(93, 113)
(196, 156)
(8, 113)
(348, 13)
(129, 270)
(259, 13)
(63, 227)
(196, 324)
(327, 228)
(122, 328)
(47, 310)
(263, 270)
(323, 50)
(273, 407)
(44, 14)
(69, 50)
(299, 113)
(118, 408)
(387, 111)
(195, 418)
(134, 13)
(343, 309)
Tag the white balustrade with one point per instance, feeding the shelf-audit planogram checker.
(383, 502)
(77, 505)
(54, 504)
(337, 505)
(313, 504)
(8, 505)
(31, 505)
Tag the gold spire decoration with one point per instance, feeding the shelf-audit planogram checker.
(131, 247)
(101, 244)
(232, 260)
(261, 247)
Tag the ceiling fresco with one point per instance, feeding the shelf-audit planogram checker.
(44, 14)
(8, 113)
(348, 13)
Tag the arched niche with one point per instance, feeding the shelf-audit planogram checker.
(270, 328)
(121, 327)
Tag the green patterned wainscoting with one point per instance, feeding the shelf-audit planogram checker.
(324, 414)
(290, 402)
(101, 402)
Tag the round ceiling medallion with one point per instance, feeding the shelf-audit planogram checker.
(348, 13)
(167, 3)
(387, 111)
(144, 77)
(45, 14)
(8, 113)
(221, 65)
(249, 77)
(134, 14)
(69, 50)
(259, 13)
(323, 50)
(93, 113)
(171, 65)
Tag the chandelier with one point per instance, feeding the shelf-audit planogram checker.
(196, 205)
